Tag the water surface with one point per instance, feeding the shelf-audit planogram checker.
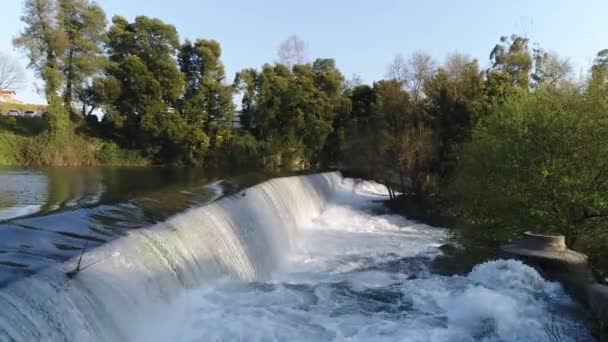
(309, 258)
(48, 215)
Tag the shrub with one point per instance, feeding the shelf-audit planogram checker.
(539, 162)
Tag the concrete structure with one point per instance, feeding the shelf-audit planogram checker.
(549, 255)
(7, 95)
(546, 247)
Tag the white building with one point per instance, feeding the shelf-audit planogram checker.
(7, 95)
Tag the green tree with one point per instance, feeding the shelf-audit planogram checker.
(454, 96)
(512, 58)
(405, 135)
(83, 25)
(599, 74)
(362, 138)
(245, 82)
(207, 100)
(43, 42)
(293, 110)
(142, 58)
(539, 162)
(550, 69)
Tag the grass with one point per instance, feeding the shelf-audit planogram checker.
(6, 106)
(28, 141)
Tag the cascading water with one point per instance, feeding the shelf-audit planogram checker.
(299, 258)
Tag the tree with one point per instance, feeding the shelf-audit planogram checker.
(362, 140)
(550, 69)
(599, 70)
(142, 58)
(412, 72)
(293, 51)
(245, 82)
(421, 67)
(293, 110)
(43, 42)
(539, 162)
(394, 105)
(454, 96)
(11, 74)
(100, 92)
(511, 57)
(207, 100)
(398, 69)
(354, 81)
(83, 24)
(597, 87)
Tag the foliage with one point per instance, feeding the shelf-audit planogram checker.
(27, 126)
(207, 102)
(58, 118)
(293, 108)
(454, 100)
(43, 42)
(512, 58)
(111, 154)
(46, 149)
(82, 24)
(537, 163)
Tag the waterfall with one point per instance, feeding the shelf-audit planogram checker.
(245, 236)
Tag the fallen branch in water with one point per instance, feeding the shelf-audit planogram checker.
(74, 272)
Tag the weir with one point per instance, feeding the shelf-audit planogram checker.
(245, 236)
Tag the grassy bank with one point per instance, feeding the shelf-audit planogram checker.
(28, 142)
(6, 106)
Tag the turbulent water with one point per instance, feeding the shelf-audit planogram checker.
(308, 258)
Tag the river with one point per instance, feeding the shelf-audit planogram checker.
(306, 258)
(48, 215)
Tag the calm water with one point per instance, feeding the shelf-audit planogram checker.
(48, 215)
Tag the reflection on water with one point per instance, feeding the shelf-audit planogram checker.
(47, 215)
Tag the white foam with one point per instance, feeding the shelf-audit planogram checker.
(309, 258)
(358, 275)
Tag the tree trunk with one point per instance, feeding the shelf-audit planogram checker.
(69, 84)
(401, 180)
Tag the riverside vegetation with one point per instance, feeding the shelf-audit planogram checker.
(521, 145)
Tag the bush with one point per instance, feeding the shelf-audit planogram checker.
(108, 153)
(243, 151)
(539, 162)
(112, 154)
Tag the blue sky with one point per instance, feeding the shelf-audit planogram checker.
(363, 36)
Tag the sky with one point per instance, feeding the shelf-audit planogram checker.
(363, 36)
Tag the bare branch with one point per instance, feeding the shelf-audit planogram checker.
(412, 72)
(293, 51)
(11, 73)
(398, 69)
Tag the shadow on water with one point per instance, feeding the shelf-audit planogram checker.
(48, 214)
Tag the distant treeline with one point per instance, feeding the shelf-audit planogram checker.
(522, 145)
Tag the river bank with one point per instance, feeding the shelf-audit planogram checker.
(27, 141)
